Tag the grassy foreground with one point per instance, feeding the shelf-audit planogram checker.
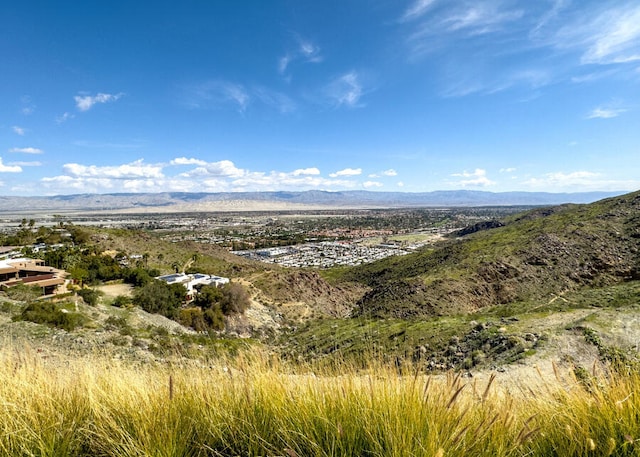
(259, 407)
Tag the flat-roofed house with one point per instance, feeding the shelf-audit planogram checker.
(32, 272)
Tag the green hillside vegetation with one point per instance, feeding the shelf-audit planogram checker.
(534, 255)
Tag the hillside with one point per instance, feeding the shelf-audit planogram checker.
(535, 255)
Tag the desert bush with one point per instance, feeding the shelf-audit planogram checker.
(90, 296)
(50, 314)
(121, 301)
(24, 292)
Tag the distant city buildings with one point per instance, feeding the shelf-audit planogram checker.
(326, 254)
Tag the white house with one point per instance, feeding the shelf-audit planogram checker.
(191, 281)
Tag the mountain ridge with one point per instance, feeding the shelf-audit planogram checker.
(182, 201)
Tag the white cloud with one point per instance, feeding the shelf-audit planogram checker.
(400, 184)
(136, 169)
(185, 161)
(306, 171)
(27, 150)
(19, 130)
(9, 168)
(218, 176)
(370, 184)
(223, 168)
(477, 178)
(605, 113)
(507, 170)
(347, 172)
(86, 102)
(64, 117)
(345, 90)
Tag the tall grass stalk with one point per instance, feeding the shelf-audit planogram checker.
(257, 406)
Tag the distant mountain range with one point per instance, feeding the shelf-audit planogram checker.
(181, 201)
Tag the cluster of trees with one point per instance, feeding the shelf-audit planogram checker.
(88, 265)
(207, 311)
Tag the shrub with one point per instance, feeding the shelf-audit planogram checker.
(50, 314)
(235, 299)
(122, 301)
(90, 296)
(24, 292)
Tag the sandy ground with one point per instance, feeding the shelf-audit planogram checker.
(113, 290)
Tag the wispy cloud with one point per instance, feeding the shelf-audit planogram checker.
(480, 18)
(25, 164)
(19, 130)
(27, 150)
(615, 37)
(9, 168)
(64, 117)
(606, 34)
(346, 90)
(86, 102)
(605, 112)
(305, 51)
(417, 9)
(370, 184)
(476, 178)
(28, 107)
(489, 46)
(281, 102)
(582, 181)
(216, 93)
(347, 172)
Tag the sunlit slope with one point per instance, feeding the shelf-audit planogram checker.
(538, 254)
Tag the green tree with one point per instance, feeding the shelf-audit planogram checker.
(158, 297)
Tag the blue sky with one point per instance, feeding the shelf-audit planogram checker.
(257, 95)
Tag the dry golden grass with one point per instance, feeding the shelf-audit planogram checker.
(257, 406)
